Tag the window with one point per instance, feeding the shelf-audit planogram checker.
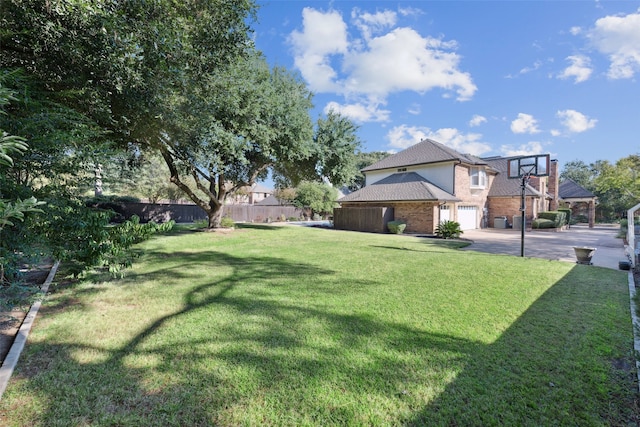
(478, 177)
(402, 169)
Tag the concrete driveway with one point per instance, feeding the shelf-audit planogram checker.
(552, 245)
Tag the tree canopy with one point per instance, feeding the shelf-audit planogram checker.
(181, 78)
(617, 185)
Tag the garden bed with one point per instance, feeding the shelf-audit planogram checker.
(10, 321)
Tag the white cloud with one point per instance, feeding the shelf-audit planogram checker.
(532, 147)
(536, 65)
(525, 123)
(324, 34)
(382, 61)
(575, 30)
(405, 136)
(359, 112)
(575, 122)
(410, 11)
(477, 120)
(373, 23)
(619, 38)
(555, 132)
(580, 68)
(414, 109)
(404, 60)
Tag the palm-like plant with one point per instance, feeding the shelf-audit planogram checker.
(448, 230)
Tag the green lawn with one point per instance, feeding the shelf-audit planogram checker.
(303, 326)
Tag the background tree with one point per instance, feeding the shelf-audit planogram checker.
(318, 197)
(332, 157)
(580, 173)
(362, 161)
(616, 185)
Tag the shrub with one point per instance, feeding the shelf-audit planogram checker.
(581, 219)
(567, 213)
(541, 223)
(396, 227)
(227, 222)
(558, 218)
(448, 230)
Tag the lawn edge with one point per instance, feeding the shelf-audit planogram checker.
(634, 324)
(10, 362)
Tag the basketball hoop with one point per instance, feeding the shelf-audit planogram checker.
(524, 168)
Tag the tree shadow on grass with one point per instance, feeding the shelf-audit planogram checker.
(567, 360)
(183, 370)
(235, 354)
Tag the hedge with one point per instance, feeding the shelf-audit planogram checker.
(559, 218)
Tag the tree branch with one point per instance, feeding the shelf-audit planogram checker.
(175, 178)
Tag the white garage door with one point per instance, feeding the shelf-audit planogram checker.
(467, 217)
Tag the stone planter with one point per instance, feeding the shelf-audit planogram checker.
(584, 255)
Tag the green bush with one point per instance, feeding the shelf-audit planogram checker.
(227, 222)
(396, 227)
(567, 213)
(448, 230)
(541, 223)
(581, 219)
(558, 218)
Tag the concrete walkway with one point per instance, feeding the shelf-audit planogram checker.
(552, 245)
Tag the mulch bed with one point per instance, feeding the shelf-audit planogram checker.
(10, 321)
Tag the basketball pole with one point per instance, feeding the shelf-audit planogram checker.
(522, 209)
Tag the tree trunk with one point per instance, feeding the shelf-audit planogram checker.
(214, 213)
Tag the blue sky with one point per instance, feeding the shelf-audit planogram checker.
(483, 77)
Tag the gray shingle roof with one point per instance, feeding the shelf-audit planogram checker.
(569, 189)
(502, 185)
(272, 201)
(408, 186)
(425, 152)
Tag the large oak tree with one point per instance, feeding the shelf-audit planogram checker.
(181, 78)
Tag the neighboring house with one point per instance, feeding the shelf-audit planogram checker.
(249, 195)
(273, 201)
(430, 182)
(580, 200)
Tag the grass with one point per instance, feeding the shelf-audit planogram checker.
(302, 326)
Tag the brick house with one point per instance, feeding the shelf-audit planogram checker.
(249, 195)
(429, 182)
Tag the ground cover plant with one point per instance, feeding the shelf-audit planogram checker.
(289, 325)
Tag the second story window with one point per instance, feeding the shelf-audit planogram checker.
(478, 177)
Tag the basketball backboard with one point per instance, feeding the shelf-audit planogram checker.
(534, 165)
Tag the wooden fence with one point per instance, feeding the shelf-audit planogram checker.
(163, 212)
(371, 219)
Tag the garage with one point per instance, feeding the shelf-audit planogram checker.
(467, 217)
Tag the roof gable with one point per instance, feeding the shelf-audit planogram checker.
(425, 152)
(502, 185)
(407, 186)
(569, 189)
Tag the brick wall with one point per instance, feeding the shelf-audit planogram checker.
(510, 207)
(421, 217)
